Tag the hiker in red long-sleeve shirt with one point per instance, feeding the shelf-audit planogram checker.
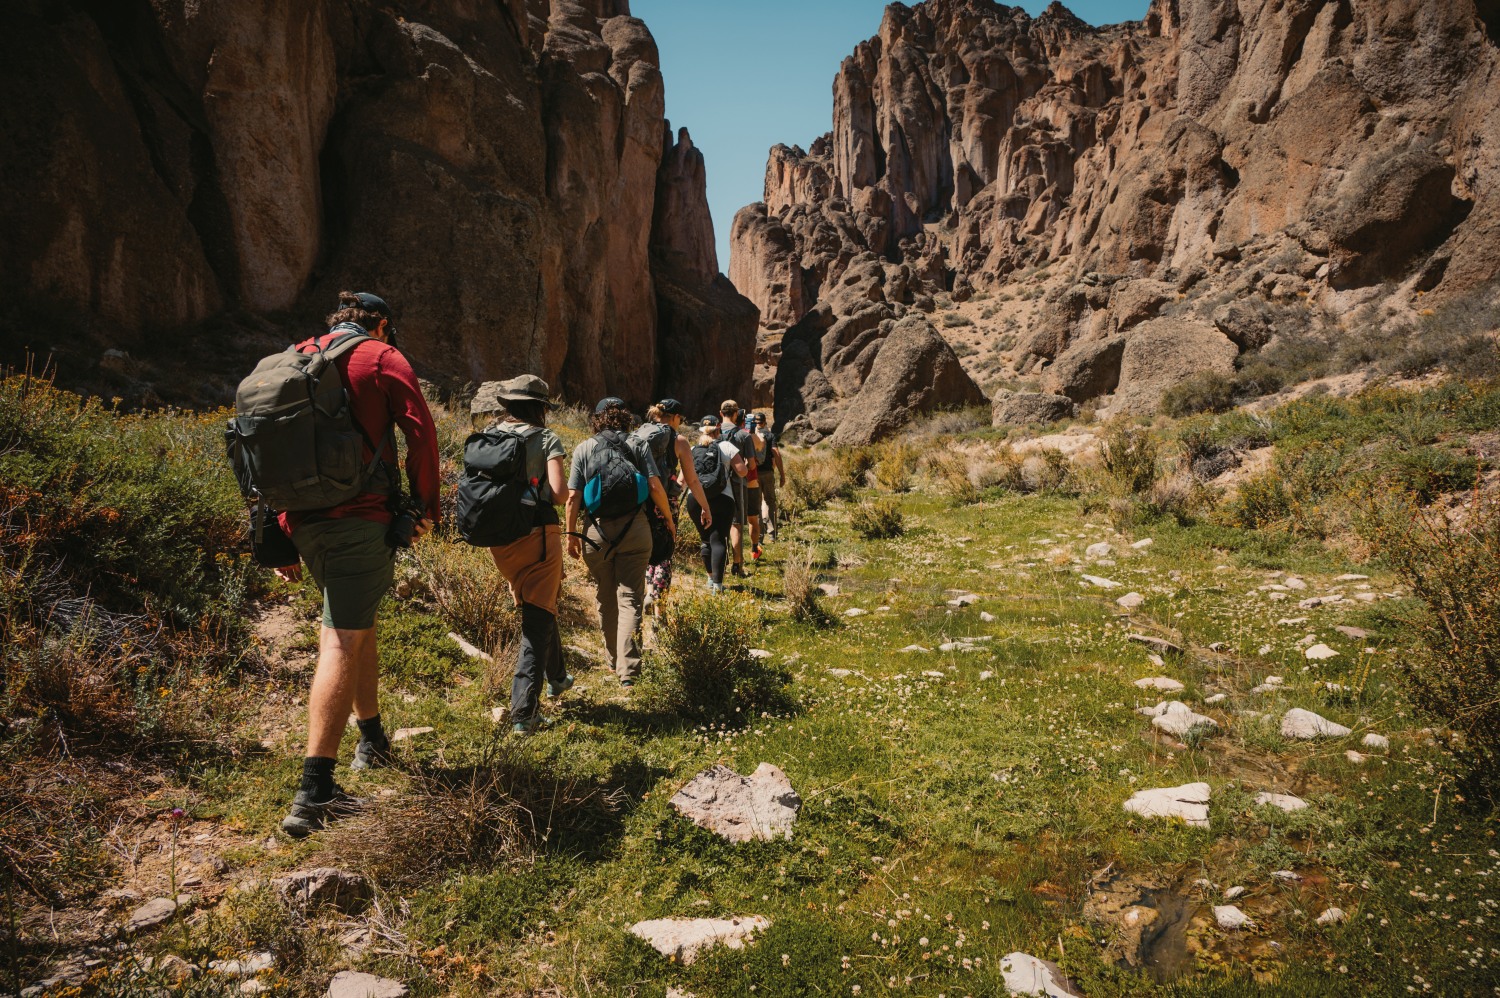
(349, 551)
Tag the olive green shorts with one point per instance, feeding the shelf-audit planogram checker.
(353, 566)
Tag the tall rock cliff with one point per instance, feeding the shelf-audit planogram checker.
(496, 170)
(1155, 197)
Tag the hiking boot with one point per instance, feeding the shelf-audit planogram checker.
(737, 570)
(715, 588)
(308, 816)
(555, 690)
(626, 684)
(530, 726)
(755, 553)
(372, 755)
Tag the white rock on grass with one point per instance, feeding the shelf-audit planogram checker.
(829, 589)
(1367, 597)
(353, 984)
(247, 966)
(1024, 974)
(761, 806)
(1351, 577)
(840, 673)
(1357, 633)
(1332, 916)
(986, 674)
(916, 648)
(1143, 543)
(1304, 724)
(1102, 583)
(1357, 758)
(759, 653)
(1234, 892)
(967, 599)
(987, 617)
(934, 674)
(1131, 600)
(1374, 741)
(154, 913)
(1286, 802)
(469, 649)
(855, 611)
(347, 891)
(1100, 550)
(1188, 802)
(1290, 876)
(1178, 719)
(1320, 652)
(1159, 645)
(684, 938)
(1230, 917)
(1271, 685)
(406, 734)
(1295, 583)
(1162, 683)
(497, 714)
(1216, 698)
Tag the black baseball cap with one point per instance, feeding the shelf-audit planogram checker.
(374, 303)
(671, 407)
(710, 422)
(606, 404)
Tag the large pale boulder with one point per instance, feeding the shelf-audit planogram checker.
(761, 806)
(1163, 353)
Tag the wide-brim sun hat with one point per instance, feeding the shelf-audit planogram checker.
(492, 395)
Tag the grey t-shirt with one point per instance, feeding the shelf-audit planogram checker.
(589, 458)
(542, 445)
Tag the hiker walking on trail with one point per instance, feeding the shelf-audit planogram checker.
(717, 464)
(612, 479)
(730, 432)
(768, 458)
(289, 452)
(532, 563)
(674, 463)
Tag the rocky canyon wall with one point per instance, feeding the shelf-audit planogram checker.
(497, 170)
(1163, 194)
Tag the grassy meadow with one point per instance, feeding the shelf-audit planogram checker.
(962, 800)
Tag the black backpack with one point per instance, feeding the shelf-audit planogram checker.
(293, 441)
(497, 502)
(618, 488)
(712, 469)
(662, 440)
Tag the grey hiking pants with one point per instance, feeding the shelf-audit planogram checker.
(619, 574)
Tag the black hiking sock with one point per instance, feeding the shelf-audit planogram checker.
(371, 731)
(317, 778)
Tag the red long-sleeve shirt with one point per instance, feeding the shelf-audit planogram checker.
(383, 388)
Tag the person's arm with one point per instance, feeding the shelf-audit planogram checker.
(556, 480)
(776, 459)
(659, 495)
(575, 543)
(740, 467)
(690, 478)
(409, 410)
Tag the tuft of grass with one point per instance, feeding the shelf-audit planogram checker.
(799, 582)
(1129, 457)
(878, 519)
(1206, 391)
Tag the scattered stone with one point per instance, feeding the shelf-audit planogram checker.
(986, 674)
(1351, 577)
(759, 653)
(1367, 597)
(1304, 724)
(1374, 741)
(967, 599)
(1286, 802)
(175, 968)
(1357, 633)
(1291, 621)
(1234, 892)
(346, 891)
(1276, 596)
(676, 993)
(247, 966)
(1131, 600)
(761, 806)
(934, 674)
(1160, 645)
(1320, 652)
(497, 714)
(1271, 685)
(855, 611)
(1178, 719)
(829, 589)
(1024, 974)
(254, 987)
(685, 938)
(1217, 646)
(1230, 917)
(1100, 550)
(840, 673)
(153, 913)
(1216, 698)
(1291, 876)
(1162, 683)
(1102, 583)
(1143, 544)
(986, 616)
(1332, 916)
(881, 609)
(1188, 802)
(916, 648)
(1156, 659)
(468, 649)
(1357, 758)
(353, 984)
(1295, 583)
(406, 734)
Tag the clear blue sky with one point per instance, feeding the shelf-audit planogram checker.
(743, 75)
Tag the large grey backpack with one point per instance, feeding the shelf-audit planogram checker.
(293, 441)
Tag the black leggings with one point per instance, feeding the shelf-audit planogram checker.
(715, 540)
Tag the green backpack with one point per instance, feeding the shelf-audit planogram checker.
(294, 443)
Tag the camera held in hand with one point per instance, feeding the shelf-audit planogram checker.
(405, 516)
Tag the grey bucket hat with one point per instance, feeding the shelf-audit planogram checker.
(493, 395)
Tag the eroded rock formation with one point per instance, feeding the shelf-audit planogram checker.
(1160, 195)
(498, 171)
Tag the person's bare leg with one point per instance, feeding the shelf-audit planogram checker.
(367, 692)
(342, 655)
(737, 543)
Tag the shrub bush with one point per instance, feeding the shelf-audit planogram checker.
(894, 464)
(1453, 567)
(799, 586)
(1206, 391)
(702, 667)
(1129, 457)
(949, 473)
(878, 519)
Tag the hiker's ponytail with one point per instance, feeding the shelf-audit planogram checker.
(656, 414)
(351, 309)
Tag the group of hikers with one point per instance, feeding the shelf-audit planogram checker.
(313, 445)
